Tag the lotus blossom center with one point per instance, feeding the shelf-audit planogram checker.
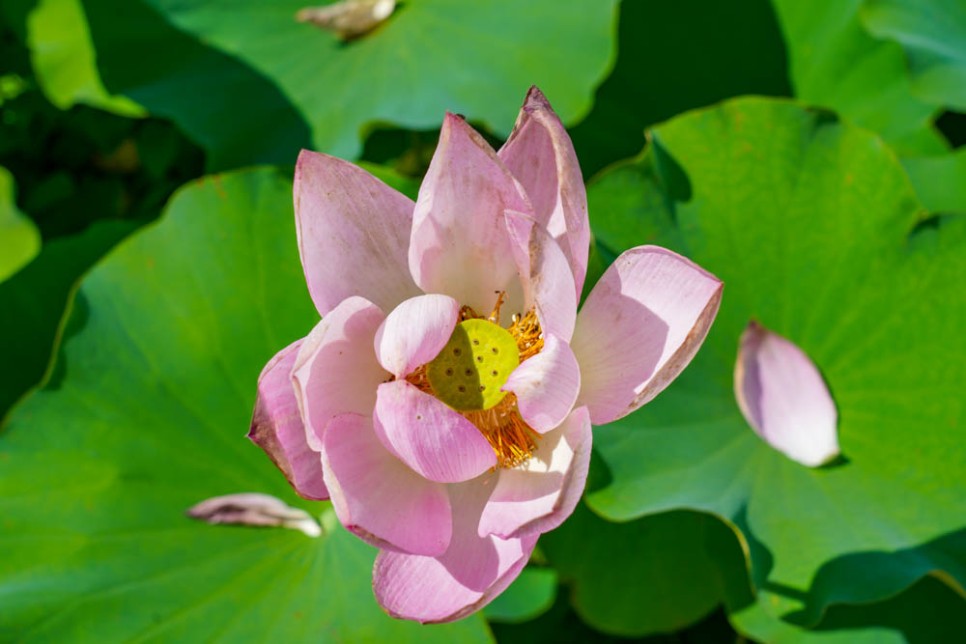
(469, 372)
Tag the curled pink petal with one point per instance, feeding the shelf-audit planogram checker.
(541, 156)
(428, 436)
(377, 497)
(784, 398)
(546, 385)
(353, 234)
(336, 370)
(459, 244)
(639, 328)
(539, 494)
(547, 280)
(277, 427)
(471, 572)
(415, 332)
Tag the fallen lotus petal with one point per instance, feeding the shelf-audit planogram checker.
(252, 508)
(350, 18)
(448, 392)
(784, 398)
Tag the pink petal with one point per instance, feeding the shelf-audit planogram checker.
(546, 385)
(353, 234)
(428, 436)
(460, 245)
(784, 398)
(537, 495)
(377, 497)
(471, 572)
(545, 272)
(254, 509)
(541, 157)
(639, 328)
(415, 332)
(277, 426)
(336, 370)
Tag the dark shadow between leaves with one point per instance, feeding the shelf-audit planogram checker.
(845, 579)
(172, 73)
(676, 56)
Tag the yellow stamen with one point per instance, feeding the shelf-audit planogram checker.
(511, 438)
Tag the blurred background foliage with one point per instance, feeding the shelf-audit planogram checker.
(147, 271)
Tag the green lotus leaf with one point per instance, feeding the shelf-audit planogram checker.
(940, 181)
(531, 595)
(815, 229)
(251, 84)
(39, 294)
(653, 575)
(933, 33)
(63, 58)
(144, 416)
(929, 612)
(19, 237)
(836, 63)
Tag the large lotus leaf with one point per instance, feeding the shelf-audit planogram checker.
(816, 231)
(19, 237)
(940, 181)
(144, 416)
(933, 33)
(836, 63)
(237, 73)
(531, 595)
(661, 71)
(929, 612)
(63, 58)
(39, 293)
(653, 575)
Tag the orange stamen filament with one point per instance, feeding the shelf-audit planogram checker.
(511, 438)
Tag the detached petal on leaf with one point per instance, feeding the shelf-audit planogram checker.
(277, 427)
(353, 234)
(541, 156)
(784, 398)
(639, 328)
(460, 245)
(252, 508)
(471, 572)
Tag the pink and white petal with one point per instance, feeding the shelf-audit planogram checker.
(546, 385)
(415, 332)
(471, 572)
(277, 427)
(428, 436)
(353, 234)
(459, 244)
(541, 156)
(377, 497)
(539, 494)
(639, 328)
(548, 282)
(783, 397)
(336, 370)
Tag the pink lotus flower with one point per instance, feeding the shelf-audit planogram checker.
(444, 403)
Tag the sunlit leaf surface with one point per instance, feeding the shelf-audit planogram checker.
(816, 232)
(250, 83)
(145, 416)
